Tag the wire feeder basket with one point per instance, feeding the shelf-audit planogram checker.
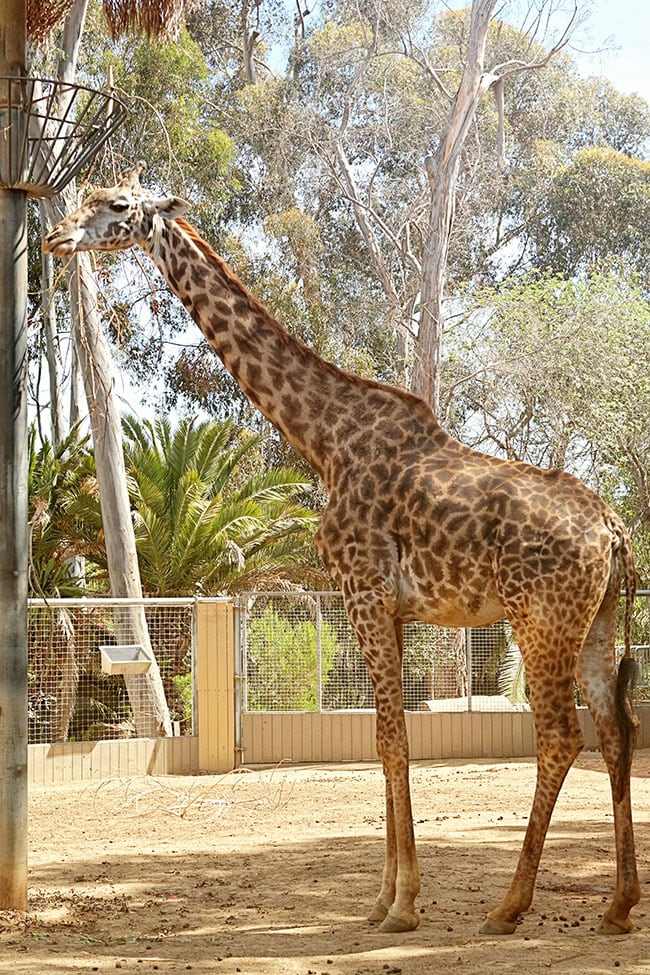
(49, 130)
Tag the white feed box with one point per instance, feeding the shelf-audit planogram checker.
(127, 659)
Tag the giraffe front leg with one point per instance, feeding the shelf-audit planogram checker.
(386, 896)
(401, 878)
(395, 905)
(380, 638)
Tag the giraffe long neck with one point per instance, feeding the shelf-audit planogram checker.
(306, 398)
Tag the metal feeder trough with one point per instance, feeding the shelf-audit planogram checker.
(128, 659)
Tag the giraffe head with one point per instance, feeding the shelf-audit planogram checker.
(113, 219)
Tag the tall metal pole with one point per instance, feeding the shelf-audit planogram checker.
(13, 498)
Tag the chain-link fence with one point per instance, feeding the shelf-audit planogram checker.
(71, 698)
(300, 654)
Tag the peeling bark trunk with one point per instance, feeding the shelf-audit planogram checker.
(146, 692)
(443, 170)
(52, 350)
(93, 359)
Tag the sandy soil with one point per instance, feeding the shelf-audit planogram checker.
(271, 873)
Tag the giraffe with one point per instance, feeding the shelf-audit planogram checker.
(420, 527)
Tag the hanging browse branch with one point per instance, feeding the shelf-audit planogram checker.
(154, 18)
(161, 19)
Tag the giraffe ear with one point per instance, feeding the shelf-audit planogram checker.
(169, 207)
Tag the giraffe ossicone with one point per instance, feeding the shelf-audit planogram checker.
(420, 527)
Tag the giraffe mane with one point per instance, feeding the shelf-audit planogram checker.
(413, 401)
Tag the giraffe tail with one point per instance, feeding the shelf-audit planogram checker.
(627, 677)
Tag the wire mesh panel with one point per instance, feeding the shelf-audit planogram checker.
(288, 651)
(300, 654)
(70, 697)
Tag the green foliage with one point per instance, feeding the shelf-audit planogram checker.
(207, 520)
(184, 688)
(62, 488)
(283, 662)
(597, 207)
(169, 86)
(557, 376)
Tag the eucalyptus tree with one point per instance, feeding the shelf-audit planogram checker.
(400, 150)
(147, 697)
(551, 370)
(613, 189)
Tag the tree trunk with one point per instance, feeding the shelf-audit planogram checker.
(146, 692)
(442, 170)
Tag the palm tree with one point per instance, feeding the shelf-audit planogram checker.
(206, 520)
(62, 491)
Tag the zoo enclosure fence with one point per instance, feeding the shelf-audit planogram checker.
(268, 677)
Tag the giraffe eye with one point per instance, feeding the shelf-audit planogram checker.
(119, 206)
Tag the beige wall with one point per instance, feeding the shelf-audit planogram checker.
(97, 760)
(339, 736)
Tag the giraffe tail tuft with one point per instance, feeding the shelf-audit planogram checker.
(628, 722)
(627, 678)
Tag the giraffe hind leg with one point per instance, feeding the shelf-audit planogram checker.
(607, 696)
(559, 742)
(556, 752)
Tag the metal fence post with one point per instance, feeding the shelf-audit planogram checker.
(240, 655)
(13, 496)
(468, 664)
(319, 656)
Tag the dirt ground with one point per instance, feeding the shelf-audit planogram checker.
(272, 873)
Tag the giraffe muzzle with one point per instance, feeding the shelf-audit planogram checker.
(60, 242)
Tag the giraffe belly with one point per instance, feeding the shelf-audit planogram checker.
(472, 602)
(459, 611)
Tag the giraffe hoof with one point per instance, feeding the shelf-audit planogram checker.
(493, 925)
(607, 926)
(378, 913)
(394, 925)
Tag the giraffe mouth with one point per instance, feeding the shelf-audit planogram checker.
(59, 246)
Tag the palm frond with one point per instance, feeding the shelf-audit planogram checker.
(160, 19)
(512, 676)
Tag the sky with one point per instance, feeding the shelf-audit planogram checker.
(622, 24)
